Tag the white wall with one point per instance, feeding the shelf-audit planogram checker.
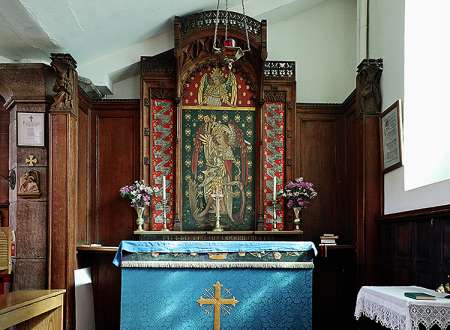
(322, 41)
(386, 41)
(128, 88)
(5, 60)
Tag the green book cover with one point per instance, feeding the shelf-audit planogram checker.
(419, 296)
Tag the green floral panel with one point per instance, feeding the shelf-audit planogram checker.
(218, 162)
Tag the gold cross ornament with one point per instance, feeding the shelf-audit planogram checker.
(31, 160)
(217, 301)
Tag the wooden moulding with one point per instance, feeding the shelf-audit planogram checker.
(417, 214)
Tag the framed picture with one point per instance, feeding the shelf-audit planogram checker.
(391, 137)
(30, 129)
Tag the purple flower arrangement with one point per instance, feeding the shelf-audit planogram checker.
(138, 193)
(299, 193)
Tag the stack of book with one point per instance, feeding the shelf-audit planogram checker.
(328, 239)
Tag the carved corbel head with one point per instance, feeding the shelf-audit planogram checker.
(368, 86)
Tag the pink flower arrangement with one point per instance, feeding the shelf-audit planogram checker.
(138, 193)
(299, 193)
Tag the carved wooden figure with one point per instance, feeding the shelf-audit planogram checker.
(29, 184)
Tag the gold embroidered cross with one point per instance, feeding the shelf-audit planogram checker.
(31, 160)
(217, 301)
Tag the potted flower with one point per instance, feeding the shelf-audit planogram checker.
(298, 194)
(139, 194)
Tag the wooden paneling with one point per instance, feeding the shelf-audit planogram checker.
(415, 247)
(84, 202)
(320, 158)
(115, 163)
(106, 287)
(4, 154)
(325, 147)
(333, 288)
(4, 165)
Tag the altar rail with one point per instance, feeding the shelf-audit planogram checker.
(218, 236)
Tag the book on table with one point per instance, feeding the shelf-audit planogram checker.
(419, 296)
(328, 239)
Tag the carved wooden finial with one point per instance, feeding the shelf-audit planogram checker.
(368, 85)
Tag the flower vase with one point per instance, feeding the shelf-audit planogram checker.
(297, 220)
(140, 219)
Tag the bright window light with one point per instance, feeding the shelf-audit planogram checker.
(427, 93)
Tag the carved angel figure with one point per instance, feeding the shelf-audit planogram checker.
(217, 89)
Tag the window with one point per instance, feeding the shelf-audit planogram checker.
(427, 93)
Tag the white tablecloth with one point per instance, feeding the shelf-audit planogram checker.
(388, 306)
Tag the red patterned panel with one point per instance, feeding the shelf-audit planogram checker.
(273, 144)
(162, 151)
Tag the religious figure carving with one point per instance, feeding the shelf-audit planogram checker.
(222, 170)
(217, 89)
(29, 184)
(64, 66)
(368, 85)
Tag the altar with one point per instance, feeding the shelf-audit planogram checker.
(209, 285)
(217, 247)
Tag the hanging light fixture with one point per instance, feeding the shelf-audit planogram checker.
(229, 51)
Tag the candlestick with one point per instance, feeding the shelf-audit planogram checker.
(164, 203)
(164, 187)
(217, 197)
(274, 214)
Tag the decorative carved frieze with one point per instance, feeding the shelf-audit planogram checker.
(163, 63)
(279, 70)
(65, 83)
(162, 93)
(275, 96)
(368, 89)
(207, 20)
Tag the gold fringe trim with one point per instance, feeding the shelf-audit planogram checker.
(203, 264)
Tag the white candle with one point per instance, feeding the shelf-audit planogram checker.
(164, 187)
(274, 187)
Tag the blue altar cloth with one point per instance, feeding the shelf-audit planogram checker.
(210, 246)
(165, 284)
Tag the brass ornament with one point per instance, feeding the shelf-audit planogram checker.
(31, 160)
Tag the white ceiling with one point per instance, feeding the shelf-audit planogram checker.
(92, 29)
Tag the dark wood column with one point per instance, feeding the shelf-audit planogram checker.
(367, 202)
(63, 160)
